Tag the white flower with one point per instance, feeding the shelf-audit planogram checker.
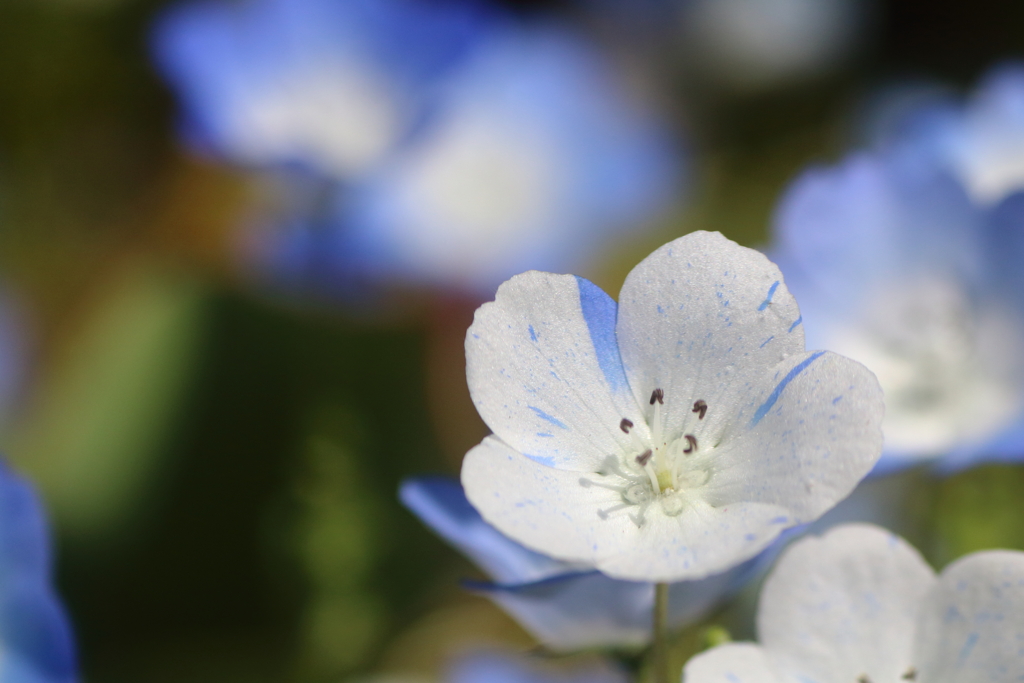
(860, 605)
(673, 438)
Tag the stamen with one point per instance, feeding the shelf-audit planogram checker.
(910, 675)
(603, 514)
(644, 457)
(653, 476)
(657, 400)
(700, 407)
(863, 678)
(626, 425)
(639, 518)
(692, 441)
(587, 483)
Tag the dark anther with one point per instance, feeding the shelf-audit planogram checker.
(644, 457)
(692, 441)
(625, 425)
(910, 675)
(700, 407)
(659, 396)
(863, 679)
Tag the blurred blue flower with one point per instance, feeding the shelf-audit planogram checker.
(895, 266)
(980, 141)
(35, 635)
(533, 158)
(332, 85)
(492, 667)
(564, 606)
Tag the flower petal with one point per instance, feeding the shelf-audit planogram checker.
(495, 667)
(730, 663)
(700, 318)
(591, 610)
(579, 611)
(441, 504)
(555, 512)
(808, 431)
(842, 606)
(545, 374)
(971, 624)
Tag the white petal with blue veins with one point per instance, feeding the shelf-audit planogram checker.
(701, 318)
(552, 511)
(804, 435)
(971, 625)
(842, 607)
(545, 374)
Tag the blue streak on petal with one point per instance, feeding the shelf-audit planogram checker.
(790, 376)
(600, 311)
(533, 335)
(544, 416)
(768, 299)
(795, 323)
(766, 341)
(966, 650)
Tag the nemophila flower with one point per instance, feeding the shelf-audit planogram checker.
(672, 436)
(36, 644)
(895, 266)
(980, 141)
(534, 157)
(332, 85)
(565, 605)
(860, 605)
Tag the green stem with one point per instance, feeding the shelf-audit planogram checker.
(659, 651)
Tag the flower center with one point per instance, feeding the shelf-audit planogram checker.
(663, 466)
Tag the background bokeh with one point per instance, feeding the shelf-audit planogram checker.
(221, 457)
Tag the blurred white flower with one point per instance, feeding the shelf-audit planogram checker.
(759, 43)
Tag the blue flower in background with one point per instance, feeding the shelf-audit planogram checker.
(491, 667)
(36, 644)
(895, 266)
(980, 141)
(534, 157)
(332, 85)
(565, 606)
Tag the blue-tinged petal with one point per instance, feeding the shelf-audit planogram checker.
(442, 505)
(1003, 241)
(34, 628)
(701, 318)
(803, 437)
(563, 514)
(868, 223)
(330, 85)
(24, 543)
(590, 610)
(35, 634)
(535, 156)
(970, 628)
(843, 606)
(487, 667)
(544, 371)
(987, 149)
(731, 663)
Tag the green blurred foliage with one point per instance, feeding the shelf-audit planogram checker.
(979, 509)
(92, 440)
